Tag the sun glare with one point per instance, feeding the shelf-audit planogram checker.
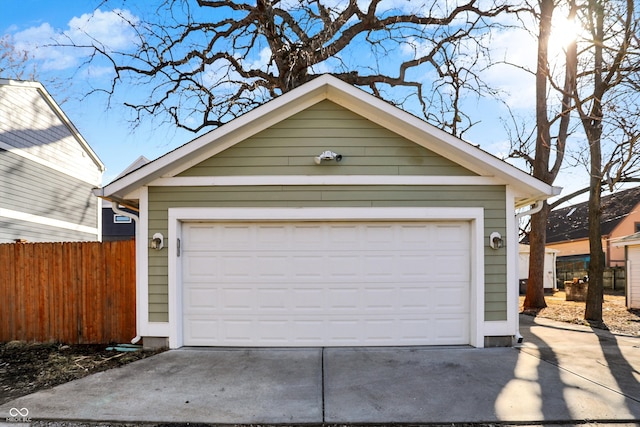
(564, 32)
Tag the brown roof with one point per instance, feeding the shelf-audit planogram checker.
(571, 223)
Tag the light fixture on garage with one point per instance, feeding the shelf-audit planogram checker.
(495, 240)
(327, 155)
(157, 242)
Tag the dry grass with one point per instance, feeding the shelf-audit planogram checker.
(616, 317)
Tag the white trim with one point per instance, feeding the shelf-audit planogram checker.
(207, 181)
(498, 328)
(69, 172)
(324, 214)
(157, 329)
(99, 218)
(175, 284)
(37, 219)
(142, 264)
(629, 242)
(475, 215)
(513, 257)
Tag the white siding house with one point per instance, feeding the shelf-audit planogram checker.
(47, 170)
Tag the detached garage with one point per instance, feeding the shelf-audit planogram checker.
(327, 217)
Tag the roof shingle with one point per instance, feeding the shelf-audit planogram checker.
(571, 223)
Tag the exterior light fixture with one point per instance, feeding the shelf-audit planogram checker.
(157, 242)
(495, 240)
(327, 155)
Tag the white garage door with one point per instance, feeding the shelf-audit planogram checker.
(326, 283)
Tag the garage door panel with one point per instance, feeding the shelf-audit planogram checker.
(444, 267)
(451, 330)
(451, 299)
(199, 265)
(201, 298)
(326, 284)
(309, 300)
(337, 331)
(381, 298)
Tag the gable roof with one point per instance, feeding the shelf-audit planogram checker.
(137, 163)
(326, 87)
(53, 105)
(571, 223)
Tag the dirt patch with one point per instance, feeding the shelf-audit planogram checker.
(27, 367)
(616, 317)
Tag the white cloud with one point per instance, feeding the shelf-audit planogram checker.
(111, 28)
(262, 62)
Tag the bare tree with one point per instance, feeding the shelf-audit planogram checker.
(551, 133)
(14, 63)
(607, 104)
(209, 61)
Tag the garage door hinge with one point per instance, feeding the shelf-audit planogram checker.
(178, 247)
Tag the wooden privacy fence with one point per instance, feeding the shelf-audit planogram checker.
(75, 293)
(614, 278)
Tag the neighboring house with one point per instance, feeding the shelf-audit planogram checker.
(119, 224)
(327, 217)
(631, 245)
(568, 229)
(116, 226)
(47, 170)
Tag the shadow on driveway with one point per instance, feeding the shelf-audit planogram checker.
(591, 374)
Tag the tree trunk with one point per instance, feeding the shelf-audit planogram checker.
(593, 129)
(593, 309)
(534, 299)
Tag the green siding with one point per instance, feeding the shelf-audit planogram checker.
(491, 198)
(289, 148)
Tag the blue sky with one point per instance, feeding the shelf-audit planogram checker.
(33, 22)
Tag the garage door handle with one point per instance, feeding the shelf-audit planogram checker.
(178, 247)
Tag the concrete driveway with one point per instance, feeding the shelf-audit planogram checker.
(561, 373)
